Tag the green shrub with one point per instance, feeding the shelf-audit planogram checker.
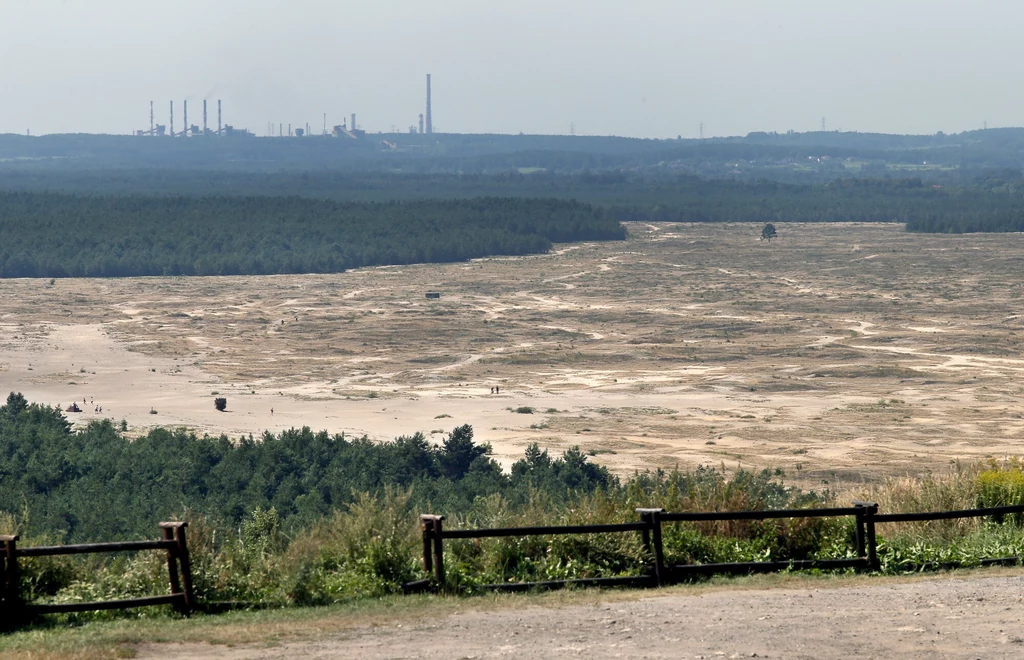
(367, 550)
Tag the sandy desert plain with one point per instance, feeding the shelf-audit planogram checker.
(840, 353)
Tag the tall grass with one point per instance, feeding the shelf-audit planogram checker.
(965, 540)
(539, 558)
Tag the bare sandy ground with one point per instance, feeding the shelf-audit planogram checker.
(839, 353)
(934, 618)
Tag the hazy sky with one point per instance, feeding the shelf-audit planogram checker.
(645, 68)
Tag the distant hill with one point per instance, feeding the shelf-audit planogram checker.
(782, 156)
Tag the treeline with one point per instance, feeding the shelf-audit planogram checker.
(96, 484)
(632, 190)
(478, 153)
(59, 235)
(989, 199)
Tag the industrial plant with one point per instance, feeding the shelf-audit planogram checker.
(346, 129)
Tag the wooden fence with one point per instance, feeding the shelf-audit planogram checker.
(865, 516)
(179, 570)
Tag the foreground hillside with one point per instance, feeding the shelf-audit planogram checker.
(347, 525)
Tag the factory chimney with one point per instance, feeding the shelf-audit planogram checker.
(204, 116)
(430, 124)
(421, 122)
(152, 130)
(219, 126)
(353, 126)
(185, 112)
(172, 118)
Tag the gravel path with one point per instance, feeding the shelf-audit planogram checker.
(942, 617)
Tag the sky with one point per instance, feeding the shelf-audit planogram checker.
(639, 68)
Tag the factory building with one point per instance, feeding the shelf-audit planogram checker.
(348, 130)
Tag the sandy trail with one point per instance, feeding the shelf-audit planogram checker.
(800, 347)
(949, 618)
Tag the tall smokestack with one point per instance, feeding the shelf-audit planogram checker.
(152, 129)
(421, 122)
(353, 126)
(219, 127)
(204, 116)
(172, 118)
(185, 119)
(430, 123)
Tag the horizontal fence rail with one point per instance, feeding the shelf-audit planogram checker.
(179, 571)
(90, 548)
(950, 515)
(865, 519)
(759, 515)
(650, 526)
(543, 531)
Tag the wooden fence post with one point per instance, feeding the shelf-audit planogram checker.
(859, 528)
(438, 552)
(9, 580)
(427, 525)
(653, 519)
(867, 544)
(3, 574)
(872, 542)
(13, 579)
(186, 567)
(172, 565)
(178, 555)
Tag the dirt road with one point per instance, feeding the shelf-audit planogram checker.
(923, 618)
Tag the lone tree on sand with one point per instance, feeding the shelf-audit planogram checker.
(220, 403)
(768, 233)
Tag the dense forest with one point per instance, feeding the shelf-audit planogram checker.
(177, 207)
(54, 235)
(250, 223)
(98, 484)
